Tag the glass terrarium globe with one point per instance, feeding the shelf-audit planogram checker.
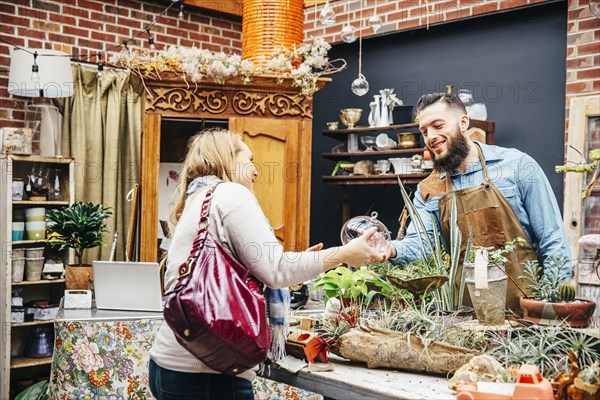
(360, 86)
(348, 34)
(375, 23)
(356, 226)
(327, 15)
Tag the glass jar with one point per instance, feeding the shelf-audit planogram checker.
(54, 189)
(474, 110)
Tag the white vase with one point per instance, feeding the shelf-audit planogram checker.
(384, 119)
(377, 112)
(372, 114)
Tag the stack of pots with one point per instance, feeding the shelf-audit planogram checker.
(18, 225)
(35, 223)
(18, 264)
(34, 263)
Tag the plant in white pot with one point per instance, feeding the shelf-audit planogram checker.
(553, 301)
(489, 299)
(79, 227)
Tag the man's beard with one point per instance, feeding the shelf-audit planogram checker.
(458, 149)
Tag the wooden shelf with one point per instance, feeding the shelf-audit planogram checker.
(363, 129)
(31, 323)
(387, 179)
(40, 203)
(25, 242)
(23, 362)
(374, 153)
(40, 282)
(40, 159)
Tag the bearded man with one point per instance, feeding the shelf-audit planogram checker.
(500, 194)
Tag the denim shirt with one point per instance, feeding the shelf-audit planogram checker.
(524, 185)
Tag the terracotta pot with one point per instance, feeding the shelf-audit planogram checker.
(545, 313)
(76, 277)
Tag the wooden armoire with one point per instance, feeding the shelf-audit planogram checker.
(274, 119)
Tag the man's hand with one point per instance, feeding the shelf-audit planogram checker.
(390, 251)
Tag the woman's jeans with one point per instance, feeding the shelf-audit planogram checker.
(173, 385)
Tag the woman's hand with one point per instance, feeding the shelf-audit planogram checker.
(316, 247)
(356, 252)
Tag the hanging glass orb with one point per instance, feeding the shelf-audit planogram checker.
(327, 16)
(348, 34)
(360, 86)
(356, 226)
(375, 23)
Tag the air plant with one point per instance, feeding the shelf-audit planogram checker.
(547, 348)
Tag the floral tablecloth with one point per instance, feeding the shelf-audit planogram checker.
(108, 360)
(102, 359)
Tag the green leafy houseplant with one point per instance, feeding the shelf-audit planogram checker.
(79, 227)
(347, 284)
(499, 255)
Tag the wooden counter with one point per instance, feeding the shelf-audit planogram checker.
(350, 380)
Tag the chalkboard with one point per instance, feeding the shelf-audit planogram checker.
(514, 61)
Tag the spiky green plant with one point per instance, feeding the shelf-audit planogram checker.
(546, 347)
(447, 296)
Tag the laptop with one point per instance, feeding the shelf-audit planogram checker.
(132, 286)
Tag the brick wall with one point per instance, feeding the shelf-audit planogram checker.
(583, 52)
(84, 27)
(400, 15)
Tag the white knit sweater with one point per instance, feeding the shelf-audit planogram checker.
(238, 222)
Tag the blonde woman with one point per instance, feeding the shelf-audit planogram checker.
(237, 221)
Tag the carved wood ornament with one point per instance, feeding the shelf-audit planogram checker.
(216, 102)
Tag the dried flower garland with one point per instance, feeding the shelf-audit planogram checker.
(304, 64)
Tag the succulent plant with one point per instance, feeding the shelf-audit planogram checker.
(545, 282)
(591, 374)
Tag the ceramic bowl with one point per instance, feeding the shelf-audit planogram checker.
(332, 126)
(402, 165)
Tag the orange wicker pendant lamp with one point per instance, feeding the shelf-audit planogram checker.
(268, 25)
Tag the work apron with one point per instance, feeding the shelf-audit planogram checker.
(494, 222)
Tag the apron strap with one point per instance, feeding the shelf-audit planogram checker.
(486, 180)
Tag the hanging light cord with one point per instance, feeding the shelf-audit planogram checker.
(360, 41)
(141, 32)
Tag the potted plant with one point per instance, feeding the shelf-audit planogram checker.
(489, 304)
(79, 227)
(351, 286)
(587, 382)
(553, 299)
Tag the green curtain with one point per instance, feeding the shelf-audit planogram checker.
(102, 125)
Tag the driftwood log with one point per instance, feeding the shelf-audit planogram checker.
(390, 349)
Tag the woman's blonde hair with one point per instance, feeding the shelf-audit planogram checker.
(210, 152)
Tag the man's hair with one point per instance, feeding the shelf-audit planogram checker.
(451, 100)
